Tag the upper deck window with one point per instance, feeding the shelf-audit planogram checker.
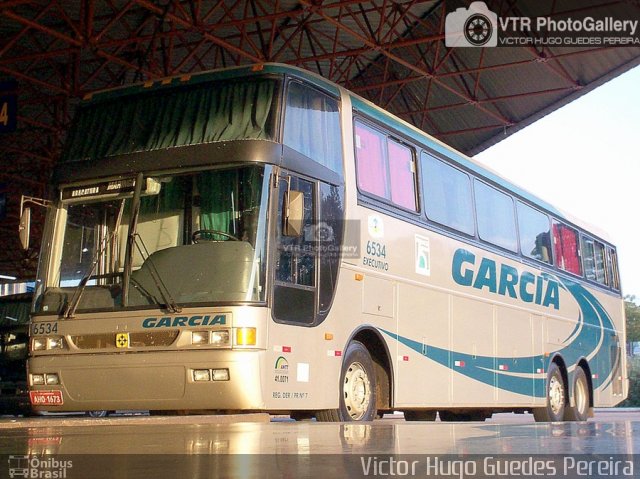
(164, 118)
(385, 167)
(593, 259)
(447, 195)
(535, 233)
(496, 219)
(566, 248)
(312, 125)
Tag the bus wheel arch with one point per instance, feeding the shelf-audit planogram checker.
(556, 392)
(365, 353)
(379, 352)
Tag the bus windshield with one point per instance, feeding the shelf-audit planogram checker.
(200, 239)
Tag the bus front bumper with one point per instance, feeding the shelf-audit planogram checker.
(166, 380)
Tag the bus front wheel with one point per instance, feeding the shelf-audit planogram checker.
(556, 397)
(357, 387)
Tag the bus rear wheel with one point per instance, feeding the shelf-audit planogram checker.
(556, 397)
(581, 396)
(357, 388)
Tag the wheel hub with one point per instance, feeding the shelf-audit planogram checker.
(556, 395)
(357, 391)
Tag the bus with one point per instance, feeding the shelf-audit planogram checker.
(14, 332)
(261, 239)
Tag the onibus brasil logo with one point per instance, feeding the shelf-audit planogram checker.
(35, 467)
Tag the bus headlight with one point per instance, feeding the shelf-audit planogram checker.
(51, 379)
(245, 336)
(199, 337)
(45, 344)
(201, 375)
(220, 337)
(37, 379)
(55, 343)
(39, 344)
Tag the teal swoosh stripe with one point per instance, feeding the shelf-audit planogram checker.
(592, 338)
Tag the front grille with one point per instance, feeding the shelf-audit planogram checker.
(136, 340)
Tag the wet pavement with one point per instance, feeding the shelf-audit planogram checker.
(214, 446)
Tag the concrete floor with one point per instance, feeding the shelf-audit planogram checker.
(210, 446)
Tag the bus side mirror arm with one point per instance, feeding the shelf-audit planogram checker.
(24, 228)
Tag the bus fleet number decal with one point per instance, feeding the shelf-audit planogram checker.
(376, 256)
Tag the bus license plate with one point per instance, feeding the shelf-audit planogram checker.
(46, 398)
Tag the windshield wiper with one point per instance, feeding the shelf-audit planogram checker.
(72, 305)
(169, 302)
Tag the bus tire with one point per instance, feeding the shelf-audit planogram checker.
(581, 397)
(357, 385)
(328, 415)
(428, 415)
(556, 397)
(357, 388)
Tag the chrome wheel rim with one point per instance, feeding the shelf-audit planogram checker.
(556, 395)
(357, 391)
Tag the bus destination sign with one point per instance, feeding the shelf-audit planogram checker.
(115, 187)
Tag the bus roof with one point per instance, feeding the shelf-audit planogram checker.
(213, 75)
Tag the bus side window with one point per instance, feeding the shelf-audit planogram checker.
(385, 167)
(535, 233)
(370, 161)
(496, 218)
(593, 260)
(312, 125)
(440, 183)
(566, 248)
(330, 231)
(612, 269)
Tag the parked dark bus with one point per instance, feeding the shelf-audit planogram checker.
(14, 332)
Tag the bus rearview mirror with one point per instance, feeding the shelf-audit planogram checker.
(294, 213)
(24, 229)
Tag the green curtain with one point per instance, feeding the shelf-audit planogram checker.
(171, 197)
(224, 195)
(218, 111)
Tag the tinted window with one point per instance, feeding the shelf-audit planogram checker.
(370, 159)
(330, 237)
(295, 276)
(612, 263)
(401, 171)
(566, 248)
(312, 125)
(385, 167)
(593, 260)
(496, 219)
(535, 233)
(447, 195)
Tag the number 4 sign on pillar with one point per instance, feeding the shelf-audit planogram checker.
(8, 113)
